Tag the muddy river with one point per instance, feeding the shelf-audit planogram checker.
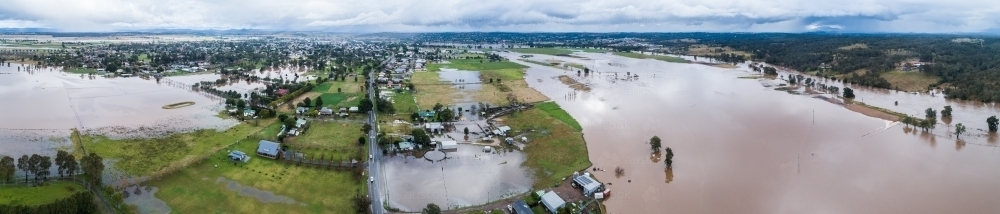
(741, 147)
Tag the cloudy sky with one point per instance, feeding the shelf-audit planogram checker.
(924, 16)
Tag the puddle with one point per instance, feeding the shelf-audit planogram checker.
(260, 195)
(145, 199)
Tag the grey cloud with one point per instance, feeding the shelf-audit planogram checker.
(519, 15)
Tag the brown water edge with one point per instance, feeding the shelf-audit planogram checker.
(743, 148)
(572, 83)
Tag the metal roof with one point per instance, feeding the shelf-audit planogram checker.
(552, 201)
(522, 208)
(268, 147)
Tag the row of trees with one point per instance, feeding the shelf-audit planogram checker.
(668, 158)
(39, 166)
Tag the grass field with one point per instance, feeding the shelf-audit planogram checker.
(328, 138)
(700, 50)
(405, 104)
(554, 110)
(428, 95)
(82, 70)
(259, 186)
(332, 100)
(31, 196)
(147, 156)
(556, 149)
(474, 65)
(546, 51)
(913, 81)
(503, 74)
(656, 57)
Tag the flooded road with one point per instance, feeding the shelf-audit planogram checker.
(466, 177)
(741, 147)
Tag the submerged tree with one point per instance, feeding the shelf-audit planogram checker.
(431, 209)
(848, 93)
(669, 158)
(992, 122)
(7, 168)
(930, 113)
(959, 129)
(654, 143)
(946, 112)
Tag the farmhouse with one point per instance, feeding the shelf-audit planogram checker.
(269, 149)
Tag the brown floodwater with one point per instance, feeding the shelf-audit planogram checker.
(741, 147)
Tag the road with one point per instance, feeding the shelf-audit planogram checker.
(376, 189)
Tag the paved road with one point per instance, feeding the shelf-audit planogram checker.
(376, 189)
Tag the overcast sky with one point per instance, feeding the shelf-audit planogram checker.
(922, 16)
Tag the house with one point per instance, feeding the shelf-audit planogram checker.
(588, 184)
(239, 156)
(552, 202)
(487, 149)
(269, 149)
(293, 132)
(326, 111)
(426, 114)
(301, 110)
(300, 123)
(433, 127)
(451, 144)
(520, 207)
(405, 146)
(249, 112)
(503, 129)
(282, 91)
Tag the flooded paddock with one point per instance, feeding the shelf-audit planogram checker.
(466, 177)
(741, 147)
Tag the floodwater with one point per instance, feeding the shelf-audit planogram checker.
(144, 197)
(467, 177)
(40, 107)
(260, 195)
(741, 147)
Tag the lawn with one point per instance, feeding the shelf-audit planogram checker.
(82, 70)
(555, 150)
(430, 92)
(329, 139)
(656, 57)
(546, 51)
(474, 65)
(405, 104)
(913, 81)
(147, 156)
(261, 185)
(554, 110)
(32, 196)
(332, 99)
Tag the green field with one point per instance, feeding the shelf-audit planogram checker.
(329, 139)
(554, 110)
(592, 50)
(31, 196)
(147, 156)
(546, 51)
(913, 81)
(555, 150)
(656, 57)
(208, 187)
(332, 100)
(504, 74)
(474, 65)
(405, 104)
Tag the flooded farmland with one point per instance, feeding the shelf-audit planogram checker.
(741, 147)
(41, 107)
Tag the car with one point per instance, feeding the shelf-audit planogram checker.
(371, 157)
(371, 179)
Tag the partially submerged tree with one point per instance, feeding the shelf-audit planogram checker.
(669, 158)
(946, 112)
(7, 168)
(959, 129)
(848, 93)
(654, 143)
(431, 209)
(992, 122)
(930, 113)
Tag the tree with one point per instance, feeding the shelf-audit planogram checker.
(446, 115)
(366, 105)
(654, 143)
(338, 90)
(319, 102)
(420, 137)
(431, 209)
(930, 113)
(438, 107)
(61, 161)
(71, 165)
(289, 123)
(848, 93)
(307, 101)
(466, 131)
(959, 129)
(366, 128)
(22, 163)
(414, 116)
(669, 158)
(946, 112)
(361, 140)
(282, 117)
(33, 164)
(992, 122)
(7, 168)
(93, 166)
(44, 163)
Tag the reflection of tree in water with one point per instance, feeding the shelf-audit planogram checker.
(959, 144)
(668, 175)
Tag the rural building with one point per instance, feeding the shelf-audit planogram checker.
(501, 130)
(353, 109)
(269, 149)
(239, 156)
(519, 207)
(326, 111)
(426, 114)
(552, 202)
(449, 144)
(588, 184)
(434, 127)
(405, 146)
(249, 112)
(300, 123)
(301, 110)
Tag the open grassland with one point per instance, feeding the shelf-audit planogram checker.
(474, 65)
(546, 51)
(913, 81)
(554, 110)
(148, 156)
(82, 70)
(703, 50)
(502, 74)
(21, 195)
(591, 50)
(405, 104)
(430, 90)
(656, 57)
(556, 149)
(329, 139)
(259, 186)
